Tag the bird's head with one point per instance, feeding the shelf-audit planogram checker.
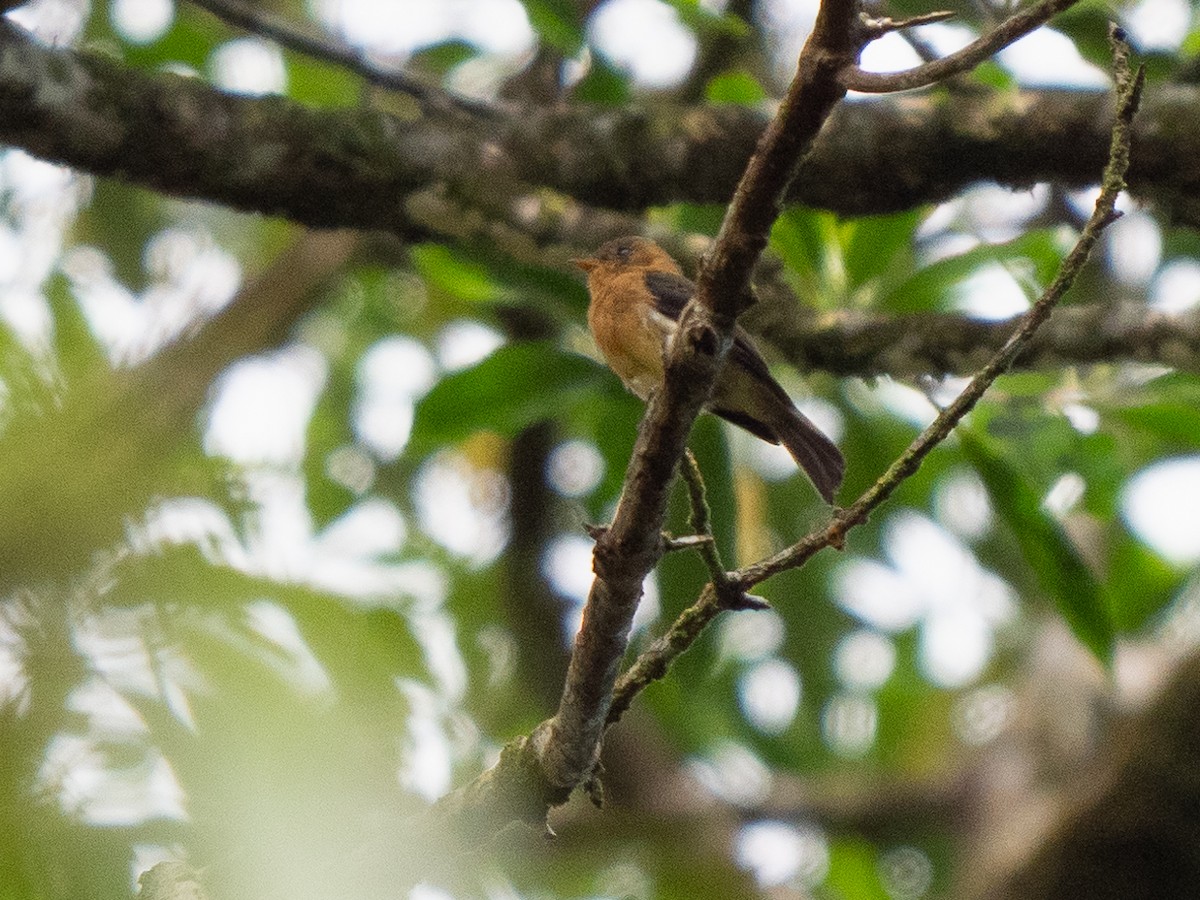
(630, 252)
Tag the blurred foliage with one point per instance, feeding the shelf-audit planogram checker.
(269, 665)
(735, 87)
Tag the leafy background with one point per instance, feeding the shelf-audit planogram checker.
(259, 617)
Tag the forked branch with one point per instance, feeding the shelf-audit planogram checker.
(1007, 32)
(654, 662)
(540, 771)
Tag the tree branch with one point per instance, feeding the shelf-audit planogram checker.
(723, 284)
(179, 136)
(702, 526)
(941, 344)
(656, 660)
(327, 47)
(565, 748)
(567, 744)
(887, 25)
(1007, 32)
(361, 168)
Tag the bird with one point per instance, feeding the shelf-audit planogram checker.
(637, 293)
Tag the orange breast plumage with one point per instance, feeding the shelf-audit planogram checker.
(630, 333)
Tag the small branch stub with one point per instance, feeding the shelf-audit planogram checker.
(877, 28)
(687, 542)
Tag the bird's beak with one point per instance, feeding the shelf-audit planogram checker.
(587, 263)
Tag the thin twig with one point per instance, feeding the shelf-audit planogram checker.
(656, 660)
(873, 11)
(686, 542)
(727, 591)
(330, 49)
(701, 517)
(886, 25)
(1007, 32)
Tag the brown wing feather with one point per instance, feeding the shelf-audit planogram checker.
(671, 294)
(812, 450)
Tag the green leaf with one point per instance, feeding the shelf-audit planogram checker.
(1036, 256)
(1168, 425)
(710, 444)
(1142, 584)
(189, 40)
(118, 220)
(1163, 414)
(451, 273)
(682, 575)
(517, 385)
(697, 218)
(741, 88)
(993, 75)
(382, 639)
(316, 83)
(1055, 563)
(872, 243)
(933, 287)
(557, 23)
(802, 238)
(603, 85)
(609, 419)
(328, 430)
(697, 17)
(1086, 24)
(441, 58)
(76, 348)
(854, 871)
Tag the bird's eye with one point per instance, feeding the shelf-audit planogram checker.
(624, 253)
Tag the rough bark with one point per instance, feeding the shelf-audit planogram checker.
(365, 168)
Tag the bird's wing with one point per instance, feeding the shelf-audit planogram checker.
(671, 294)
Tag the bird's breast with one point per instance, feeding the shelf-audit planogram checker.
(628, 331)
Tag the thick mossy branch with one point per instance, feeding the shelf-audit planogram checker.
(940, 344)
(364, 168)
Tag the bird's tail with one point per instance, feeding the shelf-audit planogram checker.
(750, 398)
(816, 454)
